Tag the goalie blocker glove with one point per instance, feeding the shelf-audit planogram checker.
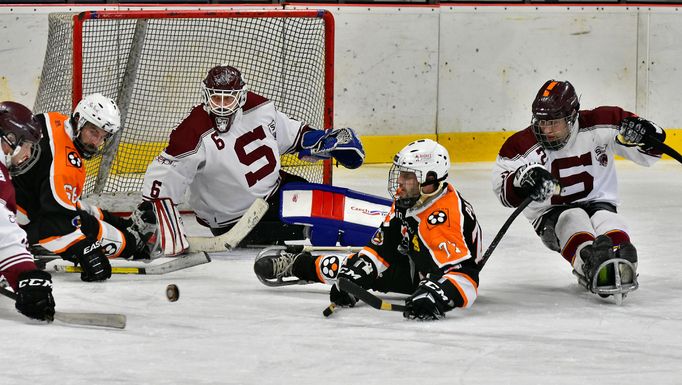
(34, 295)
(428, 302)
(634, 131)
(358, 269)
(341, 143)
(89, 254)
(535, 181)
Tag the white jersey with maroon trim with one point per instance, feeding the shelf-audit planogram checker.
(14, 257)
(584, 167)
(225, 172)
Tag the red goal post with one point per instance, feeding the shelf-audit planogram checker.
(152, 63)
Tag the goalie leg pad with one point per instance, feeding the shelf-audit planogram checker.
(170, 234)
(335, 213)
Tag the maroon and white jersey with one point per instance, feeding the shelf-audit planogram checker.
(225, 172)
(14, 257)
(584, 167)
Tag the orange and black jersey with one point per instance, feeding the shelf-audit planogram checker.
(441, 237)
(47, 194)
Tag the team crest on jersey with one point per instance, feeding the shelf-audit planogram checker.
(437, 217)
(329, 267)
(602, 158)
(378, 237)
(74, 159)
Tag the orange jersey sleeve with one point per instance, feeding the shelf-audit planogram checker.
(67, 172)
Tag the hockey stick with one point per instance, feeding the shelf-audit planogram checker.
(179, 263)
(367, 297)
(231, 239)
(310, 249)
(664, 148)
(504, 229)
(116, 321)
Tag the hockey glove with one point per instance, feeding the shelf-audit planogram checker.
(634, 131)
(140, 232)
(535, 181)
(89, 254)
(89, 224)
(358, 269)
(34, 295)
(118, 222)
(341, 143)
(428, 302)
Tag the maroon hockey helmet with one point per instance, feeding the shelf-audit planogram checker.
(19, 126)
(224, 92)
(555, 110)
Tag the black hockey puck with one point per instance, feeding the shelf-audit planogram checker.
(329, 310)
(172, 293)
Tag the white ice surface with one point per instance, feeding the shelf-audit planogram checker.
(532, 323)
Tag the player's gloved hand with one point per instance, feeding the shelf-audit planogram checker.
(90, 256)
(116, 221)
(358, 269)
(535, 181)
(140, 232)
(634, 131)
(34, 295)
(428, 302)
(89, 225)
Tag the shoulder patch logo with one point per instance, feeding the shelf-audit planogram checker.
(329, 267)
(437, 217)
(74, 159)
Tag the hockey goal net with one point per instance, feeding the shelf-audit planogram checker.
(152, 63)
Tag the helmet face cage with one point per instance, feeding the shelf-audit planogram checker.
(18, 169)
(224, 103)
(558, 139)
(393, 186)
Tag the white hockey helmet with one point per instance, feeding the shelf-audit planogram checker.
(101, 112)
(424, 158)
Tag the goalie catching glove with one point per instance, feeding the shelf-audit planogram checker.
(341, 143)
(535, 181)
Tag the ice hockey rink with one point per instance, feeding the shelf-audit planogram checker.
(531, 324)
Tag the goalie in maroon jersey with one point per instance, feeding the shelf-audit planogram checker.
(564, 161)
(19, 134)
(227, 152)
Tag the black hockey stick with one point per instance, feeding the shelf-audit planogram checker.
(365, 296)
(504, 229)
(664, 148)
